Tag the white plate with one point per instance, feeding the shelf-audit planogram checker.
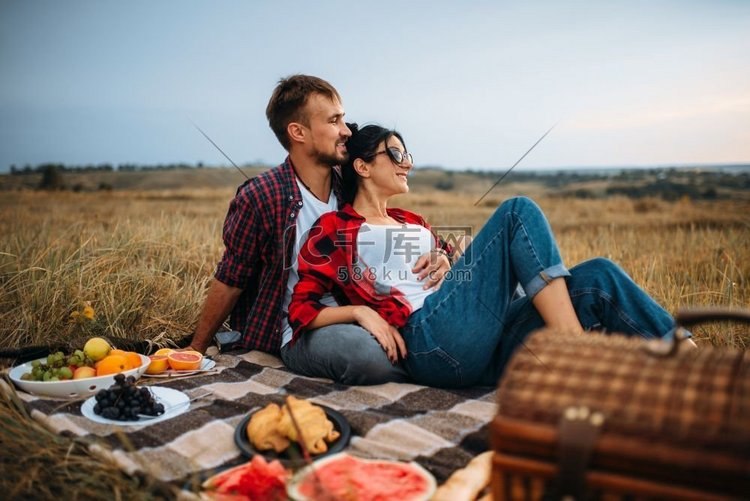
(206, 365)
(175, 403)
(71, 388)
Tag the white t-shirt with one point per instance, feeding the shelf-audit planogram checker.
(389, 252)
(311, 210)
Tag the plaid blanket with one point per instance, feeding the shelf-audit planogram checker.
(440, 429)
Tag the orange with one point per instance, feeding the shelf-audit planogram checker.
(185, 360)
(115, 351)
(112, 364)
(164, 351)
(133, 358)
(158, 364)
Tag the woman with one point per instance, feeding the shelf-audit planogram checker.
(463, 332)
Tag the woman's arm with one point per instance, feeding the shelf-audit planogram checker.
(317, 275)
(323, 266)
(334, 315)
(387, 335)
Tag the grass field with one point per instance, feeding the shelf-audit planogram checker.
(143, 260)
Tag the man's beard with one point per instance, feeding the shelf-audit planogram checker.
(331, 160)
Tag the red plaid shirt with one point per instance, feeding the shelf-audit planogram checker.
(259, 234)
(328, 262)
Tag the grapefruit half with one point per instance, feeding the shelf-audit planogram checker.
(158, 364)
(185, 360)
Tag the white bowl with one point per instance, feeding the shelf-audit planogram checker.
(71, 388)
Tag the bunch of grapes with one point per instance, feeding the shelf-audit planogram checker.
(123, 401)
(79, 359)
(57, 367)
(54, 370)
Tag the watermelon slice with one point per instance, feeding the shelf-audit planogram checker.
(256, 479)
(342, 476)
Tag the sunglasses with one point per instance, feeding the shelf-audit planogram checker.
(397, 156)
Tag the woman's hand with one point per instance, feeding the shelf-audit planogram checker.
(387, 335)
(433, 265)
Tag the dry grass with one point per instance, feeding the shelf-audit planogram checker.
(143, 260)
(685, 254)
(39, 464)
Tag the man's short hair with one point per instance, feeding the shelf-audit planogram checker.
(288, 101)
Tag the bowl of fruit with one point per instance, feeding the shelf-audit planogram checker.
(78, 374)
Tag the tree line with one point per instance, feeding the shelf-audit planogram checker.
(103, 167)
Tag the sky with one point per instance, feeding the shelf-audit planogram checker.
(470, 84)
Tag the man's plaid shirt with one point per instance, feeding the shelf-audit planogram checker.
(259, 234)
(328, 262)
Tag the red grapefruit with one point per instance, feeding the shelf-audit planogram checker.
(185, 360)
(158, 364)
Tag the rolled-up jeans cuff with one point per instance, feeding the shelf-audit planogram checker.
(544, 277)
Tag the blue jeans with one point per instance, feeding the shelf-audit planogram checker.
(346, 353)
(467, 331)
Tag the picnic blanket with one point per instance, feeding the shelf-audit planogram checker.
(440, 429)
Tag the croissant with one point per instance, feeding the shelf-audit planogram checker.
(263, 429)
(312, 421)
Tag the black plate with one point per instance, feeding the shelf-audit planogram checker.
(293, 453)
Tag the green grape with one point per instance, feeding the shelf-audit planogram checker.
(46, 376)
(35, 364)
(65, 373)
(54, 378)
(26, 377)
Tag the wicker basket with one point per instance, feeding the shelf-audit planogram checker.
(594, 416)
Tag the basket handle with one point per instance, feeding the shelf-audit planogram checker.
(689, 318)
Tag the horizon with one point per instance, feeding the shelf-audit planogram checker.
(470, 86)
(731, 167)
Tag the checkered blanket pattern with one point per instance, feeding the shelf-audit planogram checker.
(440, 429)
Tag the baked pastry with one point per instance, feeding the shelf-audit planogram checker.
(316, 428)
(263, 429)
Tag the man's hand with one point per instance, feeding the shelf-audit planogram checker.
(387, 335)
(220, 300)
(433, 265)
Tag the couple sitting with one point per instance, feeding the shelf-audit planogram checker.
(319, 269)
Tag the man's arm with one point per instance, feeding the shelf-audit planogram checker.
(219, 302)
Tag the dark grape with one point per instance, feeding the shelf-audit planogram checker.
(111, 413)
(124, 401)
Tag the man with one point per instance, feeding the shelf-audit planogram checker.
(267, 221)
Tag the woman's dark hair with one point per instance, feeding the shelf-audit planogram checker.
(362, 144)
